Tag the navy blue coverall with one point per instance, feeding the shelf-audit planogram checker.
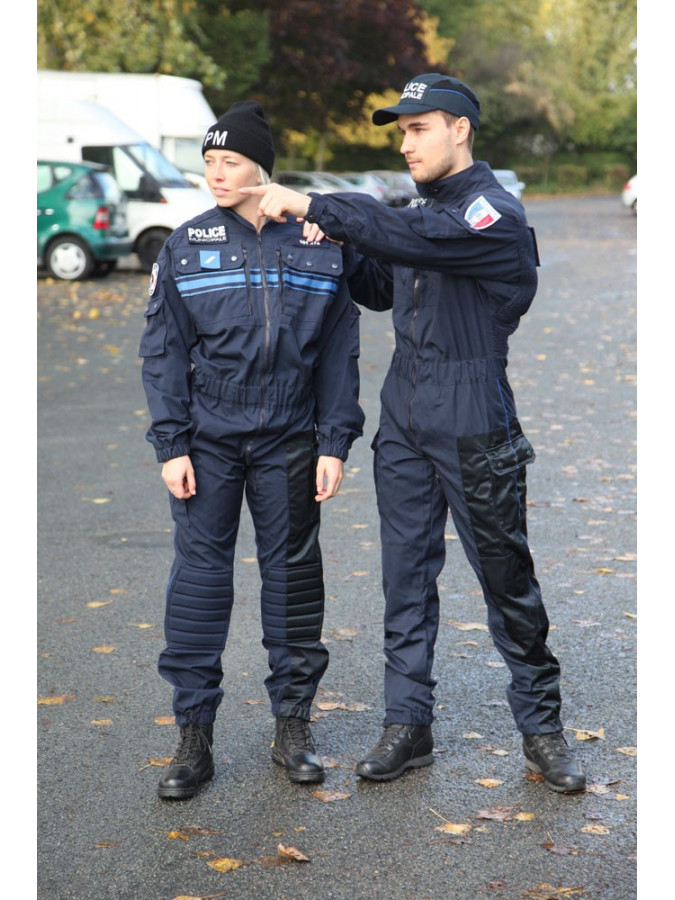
(251, 368)
(458, 268)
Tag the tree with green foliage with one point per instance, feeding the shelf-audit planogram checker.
(323, 63)
(552, 77)
(120, 36)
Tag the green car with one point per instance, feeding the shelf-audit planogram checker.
(81, 220)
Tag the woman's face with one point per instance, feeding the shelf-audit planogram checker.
(226, 172)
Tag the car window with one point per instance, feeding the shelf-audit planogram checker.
(86, 188)
(44, 178)
(48, 175)
(109, 188)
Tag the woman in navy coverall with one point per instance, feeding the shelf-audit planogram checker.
(458, 269)
(251, 375)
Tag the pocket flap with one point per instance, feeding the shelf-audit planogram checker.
(511, 455)
(324, 260)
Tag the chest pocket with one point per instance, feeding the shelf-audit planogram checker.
(310, 280)
(214, 284)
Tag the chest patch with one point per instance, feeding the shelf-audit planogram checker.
(217, 234)
(481, 214)
(209, 259)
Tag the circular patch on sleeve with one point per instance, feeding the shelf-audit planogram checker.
(154, 275)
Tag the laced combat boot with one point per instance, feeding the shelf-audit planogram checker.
(191, 766)
(401, 747)
(294, 749)
(549, 755)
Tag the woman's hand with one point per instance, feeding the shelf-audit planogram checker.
(329, 471)
(179, 476)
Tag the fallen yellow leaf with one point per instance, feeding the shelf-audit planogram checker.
(489, 782)
(331, 796)
(292, 853)
(54, 701)
(524, 817)
(165, 720)
(627, 751)
(548, 892)
(95, 604)
(468, 626)
(101, 721)
(595, 829)
(454, 828)
(224, 864)
(177, 835)
(104, 648)
(583, 734)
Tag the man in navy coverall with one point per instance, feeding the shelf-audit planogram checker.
(458, 269)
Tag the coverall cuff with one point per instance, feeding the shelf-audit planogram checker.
(165, 453)
(326, 448)
(407, 717)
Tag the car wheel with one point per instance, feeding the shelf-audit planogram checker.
(148, 246)
(69, 258)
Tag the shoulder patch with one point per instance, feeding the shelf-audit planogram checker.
(481, 214)
(154, 275)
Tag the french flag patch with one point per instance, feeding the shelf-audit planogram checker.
(481, 214)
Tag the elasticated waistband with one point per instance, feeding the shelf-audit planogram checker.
(448, 371)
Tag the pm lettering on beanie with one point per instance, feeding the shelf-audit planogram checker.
(243, 129)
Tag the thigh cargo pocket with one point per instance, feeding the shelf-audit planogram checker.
(494, 479)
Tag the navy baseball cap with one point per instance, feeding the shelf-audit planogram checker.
(433, 91)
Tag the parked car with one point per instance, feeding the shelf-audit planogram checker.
(81, 220)
(304, 182)
(400, 187)
(629, 194)
(509, 180)
(366, 183)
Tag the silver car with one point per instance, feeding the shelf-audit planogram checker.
(509, 180)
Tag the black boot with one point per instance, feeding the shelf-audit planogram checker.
(549, 755)
(294, 749)
(191, 766)
(401, 747)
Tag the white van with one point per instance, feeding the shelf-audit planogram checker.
(169, 111)
(160, 197)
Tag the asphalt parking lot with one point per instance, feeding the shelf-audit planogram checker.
(470, 826)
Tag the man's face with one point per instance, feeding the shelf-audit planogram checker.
(225, 172)
(429, 145)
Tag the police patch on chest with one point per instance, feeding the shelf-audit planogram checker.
(481, 214)
(217, 234)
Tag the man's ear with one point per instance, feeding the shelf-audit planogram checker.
(463, 127)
